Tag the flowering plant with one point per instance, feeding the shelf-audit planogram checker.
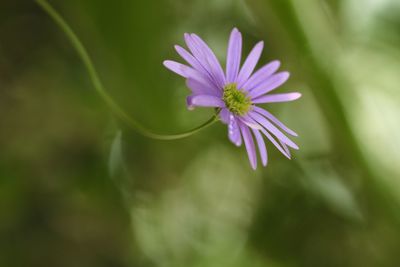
(236, 92)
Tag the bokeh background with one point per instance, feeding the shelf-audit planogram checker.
(80, 188)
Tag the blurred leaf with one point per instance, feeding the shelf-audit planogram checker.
(329, 187)
(115, 165)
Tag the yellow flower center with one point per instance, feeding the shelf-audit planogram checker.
(236, 100)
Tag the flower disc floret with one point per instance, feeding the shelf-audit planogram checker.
(237, 101)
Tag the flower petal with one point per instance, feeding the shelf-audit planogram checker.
(234, 55)
(285, 147)
(272, 140)
(190, 59)
(277, 98)
(201, 78)
(176, 67)
(249, 143)
(189, 73)
(225, 115)
(250, 123)
(204, 101)
(200, 56)
(234, 131)
(271, 128)
(270, 84)
(272, 118)
(199, 88)
(211, 60)
(250, 63)
(260, 75)
(195, 50)
(261, 147)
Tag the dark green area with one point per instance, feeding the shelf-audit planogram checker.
(80, 188)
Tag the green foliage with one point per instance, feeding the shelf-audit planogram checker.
(79, 188)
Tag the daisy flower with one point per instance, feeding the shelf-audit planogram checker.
(236, 92)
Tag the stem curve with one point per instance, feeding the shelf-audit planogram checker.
(115, 108)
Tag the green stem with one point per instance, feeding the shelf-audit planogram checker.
(116, 109)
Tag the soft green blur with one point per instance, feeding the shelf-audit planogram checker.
(80, 188)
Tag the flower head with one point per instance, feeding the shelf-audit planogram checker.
(237, 91)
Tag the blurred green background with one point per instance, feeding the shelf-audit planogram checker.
(79, 188)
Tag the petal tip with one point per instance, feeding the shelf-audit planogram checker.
(254, 166)
(189, 103)
(285, 74)
(195, 36)
(235, 32)
(297, 95)
(167, 63)
(276, 64)
(265, 164)
(186, 36)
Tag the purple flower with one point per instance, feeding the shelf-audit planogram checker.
(236, 92)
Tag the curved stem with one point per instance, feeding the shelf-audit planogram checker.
(116, 109)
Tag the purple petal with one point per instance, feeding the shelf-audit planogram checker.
(270, 84)
(272, 140)
(233, 56)
(225, 115)
(250, 63)
(176, 67)
(274, 120)
(193, 74)
(285, 147)
(195, 50)
(234, 131)
(189, 73)
(271, 128)
(211, 60)
(204, 101)
(277, 98)
(261, 147)
(249, 143)
(200, 56)
(260, 75)
(190, 59)
(250, 123)
(199, 88)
